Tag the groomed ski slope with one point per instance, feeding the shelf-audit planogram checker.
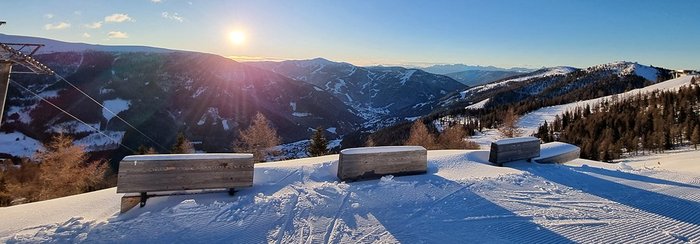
(461, 199)
(531, 121)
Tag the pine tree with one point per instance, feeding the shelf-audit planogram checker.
(319, 144)
(420, 136)
(182, 145)
(258, 138)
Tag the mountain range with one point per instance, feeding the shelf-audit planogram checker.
(210, 98)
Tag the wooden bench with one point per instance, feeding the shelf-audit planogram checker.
(557, 152)
(513, 149)
(374, 162)
(142, 176)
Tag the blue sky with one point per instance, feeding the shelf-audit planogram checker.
(501, 33)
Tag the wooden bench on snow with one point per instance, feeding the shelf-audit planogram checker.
(557, 152)
(513, 149)
(142, 176)
(374, 162)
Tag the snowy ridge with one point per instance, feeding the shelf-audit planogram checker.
(53, 46)
(531, 121)
(301, 200)
(623, 68)
(562, 70)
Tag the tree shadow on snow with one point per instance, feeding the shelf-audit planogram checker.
(652, 202)
(630, 176)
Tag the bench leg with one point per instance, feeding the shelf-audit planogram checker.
(129, 201)
(144, 197)
(231, 191)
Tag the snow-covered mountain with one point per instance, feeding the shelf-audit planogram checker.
(444, 69)
(479, 77)
(381, 95)
(552, 82)
(53, 46)
(208, 97)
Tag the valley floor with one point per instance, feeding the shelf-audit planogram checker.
(462, 198)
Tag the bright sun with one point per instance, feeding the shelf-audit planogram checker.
(237, 37)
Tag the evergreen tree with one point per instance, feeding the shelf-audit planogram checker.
(181, 146)
(319, 144)
(258, 138)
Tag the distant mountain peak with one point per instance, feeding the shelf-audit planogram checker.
(627, 68)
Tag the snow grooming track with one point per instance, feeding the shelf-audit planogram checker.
(461, 198)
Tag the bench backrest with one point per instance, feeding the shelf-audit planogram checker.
(512, 149)
(375, 162)
(174, 172)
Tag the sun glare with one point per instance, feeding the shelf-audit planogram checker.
(237, 37)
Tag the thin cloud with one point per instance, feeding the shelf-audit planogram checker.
(86, 35)
(157, 1)
(118, 18)
(117, 35)
(57, 26)
(95, 25)
(48, 16)
(173, 16)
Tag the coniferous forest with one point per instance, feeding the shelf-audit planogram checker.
(644, 123)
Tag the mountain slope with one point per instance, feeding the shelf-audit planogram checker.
(549, 83)
(444, 69)
(462, 197)
(380, 94)
(208, 97)
(480, 77)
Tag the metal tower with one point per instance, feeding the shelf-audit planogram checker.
(10, 56)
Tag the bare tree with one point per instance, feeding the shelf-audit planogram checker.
(509, 127)
(454, 137)
(64, 170)
(420, 136)
(258, 139)
(181, 146)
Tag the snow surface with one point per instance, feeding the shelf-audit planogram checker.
(530, 122)
(555, 148)
(478, 105)
(116, 106)
(515, 140)
(462, 197)
(97, 141)
(18, 144)
(385, 149)
(72, 127)
(158, 157)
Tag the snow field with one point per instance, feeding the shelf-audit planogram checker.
(462, 197)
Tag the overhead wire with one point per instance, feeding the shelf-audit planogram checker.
(110, 111)
(71, 115)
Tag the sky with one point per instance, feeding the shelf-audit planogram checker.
(502, 33)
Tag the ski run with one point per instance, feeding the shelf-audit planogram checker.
(462, 198)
